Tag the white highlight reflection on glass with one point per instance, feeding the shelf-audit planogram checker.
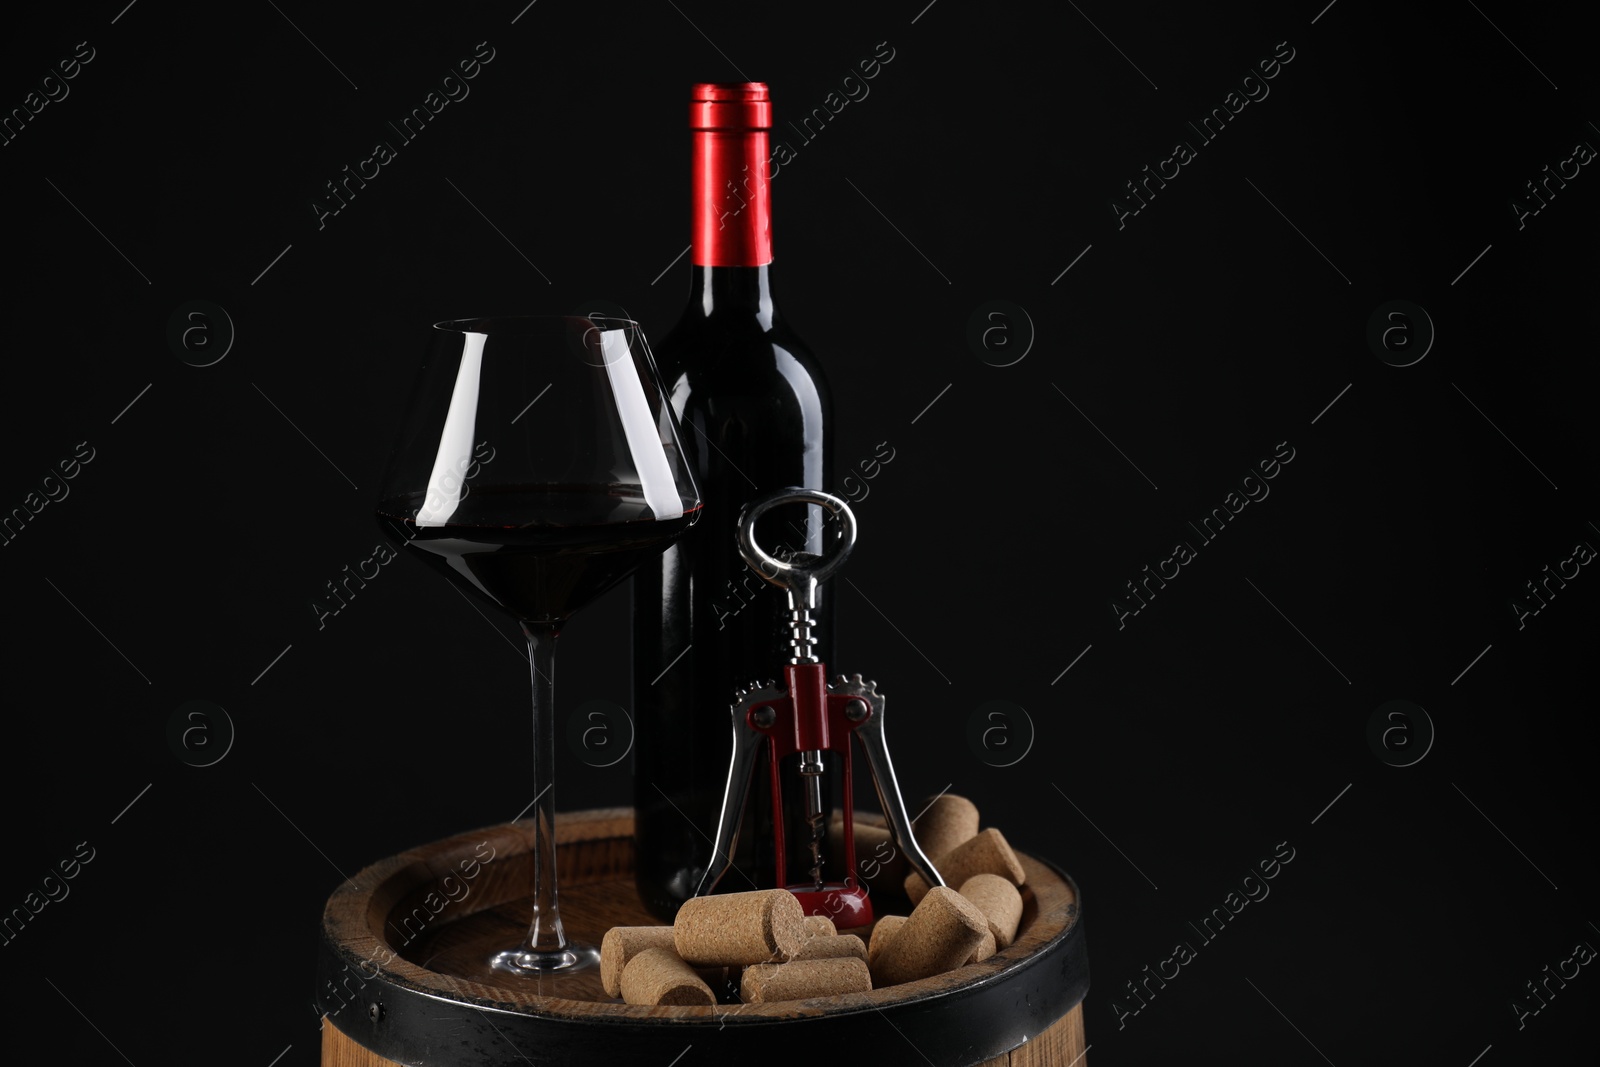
(639, 425)
(447, 481)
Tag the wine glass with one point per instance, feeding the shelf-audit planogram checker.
(538, 465)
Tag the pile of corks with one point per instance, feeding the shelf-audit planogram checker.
(763, 944)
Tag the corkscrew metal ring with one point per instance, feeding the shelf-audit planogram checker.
(791, 574)
(802, 574)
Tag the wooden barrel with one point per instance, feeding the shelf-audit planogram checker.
(403, 977)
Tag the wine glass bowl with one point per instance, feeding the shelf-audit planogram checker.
(538, 464)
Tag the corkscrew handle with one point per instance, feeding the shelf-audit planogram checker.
(803, 573)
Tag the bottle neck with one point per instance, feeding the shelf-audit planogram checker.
(732, 292)
(732, 226)
(732, 205)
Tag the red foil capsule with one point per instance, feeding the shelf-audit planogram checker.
(731, 207)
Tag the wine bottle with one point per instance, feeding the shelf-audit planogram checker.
(756, 416)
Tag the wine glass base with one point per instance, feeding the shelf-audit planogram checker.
(573, 959)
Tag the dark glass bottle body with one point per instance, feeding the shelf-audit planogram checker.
(756, 416)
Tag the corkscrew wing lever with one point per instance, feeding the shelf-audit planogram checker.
(747, 742)
(869, 731)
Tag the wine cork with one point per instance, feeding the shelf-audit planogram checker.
(882, 934)
(827, 948)
(999, 901)
(621, 944)
(760, 926)
(802, 979)
(917, 886)
(868, 835)
(940, 936)
(819, 926)
(658, 976)
(948, 822)
(985, 949)
(880, 864)
(987, 853)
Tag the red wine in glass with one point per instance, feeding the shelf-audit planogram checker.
(539, 463)
(582, 541)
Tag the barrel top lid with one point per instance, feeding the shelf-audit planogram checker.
(416, 930)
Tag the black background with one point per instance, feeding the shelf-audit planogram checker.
(1218, 722)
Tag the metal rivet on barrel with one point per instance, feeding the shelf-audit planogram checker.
(374, 1011)
(856, 710)
(764, 718)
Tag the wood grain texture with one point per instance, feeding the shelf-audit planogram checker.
(431, 917)
(340, 1051)
(1060, 1046)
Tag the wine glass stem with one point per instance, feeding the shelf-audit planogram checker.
(545, 933)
